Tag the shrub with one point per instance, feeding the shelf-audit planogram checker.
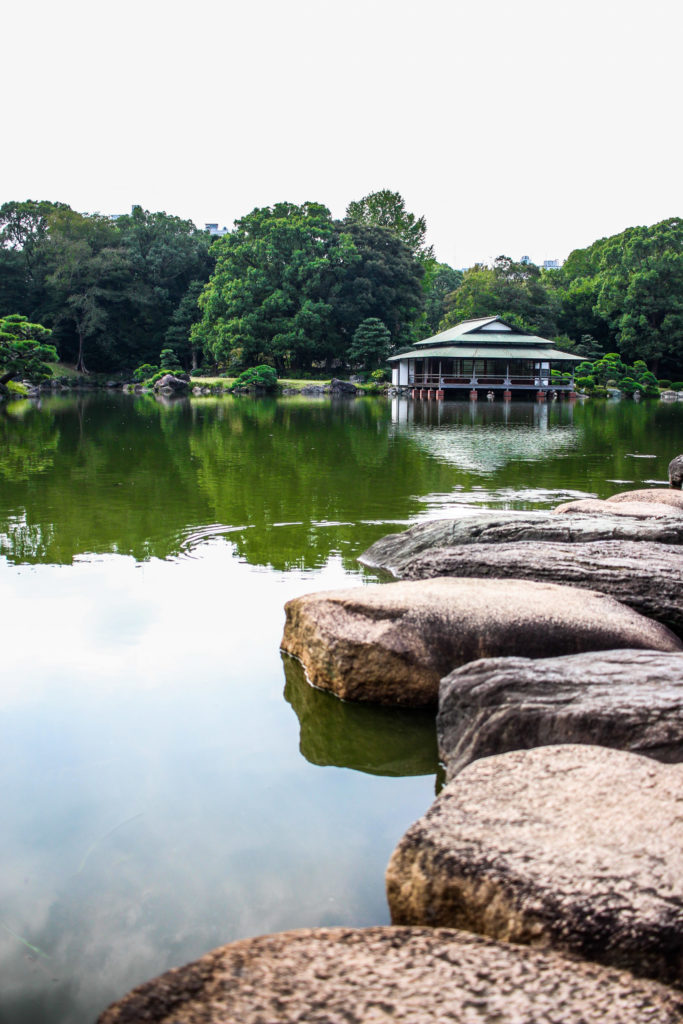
(168, 361)
(257, 377)
(665, 384)
(380, 376)
(677, 385)
(144, 372)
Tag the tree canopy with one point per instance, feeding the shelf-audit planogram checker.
(387, 209)
(291, 286)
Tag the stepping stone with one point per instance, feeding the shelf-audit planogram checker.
(629, 700)
(376, 975)
(575, 848)
(393, 552)
(654, 495)
(392, 643)
(643, 575)
(635, 509)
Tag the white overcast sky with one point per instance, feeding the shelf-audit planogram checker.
(529, 127)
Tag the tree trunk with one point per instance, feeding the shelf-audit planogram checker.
(80, 363)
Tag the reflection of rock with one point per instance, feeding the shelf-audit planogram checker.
(379, 741)
(645, 576)
(408, 975)
(656, 495)
(676, 472)
(577, 848)
(393, 552)
(391, 643)
(629, 700)
(634, 509)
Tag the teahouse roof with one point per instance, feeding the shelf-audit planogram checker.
(486, 338)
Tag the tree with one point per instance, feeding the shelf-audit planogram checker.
(439, 282)
(24, 349)
(267, 299)
(89, 276)
(371, 344)
(517, 291)
(641, 293)
(387, 209)
(167, 255)
(179, 332)
(382, 280)
(24, 228)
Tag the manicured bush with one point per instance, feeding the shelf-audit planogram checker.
(144, 372)
(258, 377)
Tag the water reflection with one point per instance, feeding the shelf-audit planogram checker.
(380, 741)
(293, 482)
(484, 437)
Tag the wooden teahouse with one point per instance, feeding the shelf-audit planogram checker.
(481, 357)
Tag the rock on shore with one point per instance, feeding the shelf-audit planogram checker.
(374, 975)
(576, 848)
(391, 643)
(393, 552)
(641, 574)
(676, 472)
(628, 700)
(654, 495)
(614, 506)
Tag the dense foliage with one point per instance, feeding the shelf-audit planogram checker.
(24, 349)
(293, 288)
(110, 290)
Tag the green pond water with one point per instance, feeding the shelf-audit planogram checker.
(168, 780)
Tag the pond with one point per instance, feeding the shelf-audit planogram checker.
(168, 781)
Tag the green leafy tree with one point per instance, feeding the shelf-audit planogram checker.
(24, 349)
(386, 209)
(268, 296)
(382, 281)
(371, 344)
(179, 332)
(641, 293)
(24, 229)
(439, 283)
(168, 258)
(263, 377)
(89, 275)
(517, 291)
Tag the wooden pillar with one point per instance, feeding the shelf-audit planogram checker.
(540, 395)
(507, 395)
(440, 395)
(474, 395)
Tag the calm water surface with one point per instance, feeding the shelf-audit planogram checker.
(168, 782)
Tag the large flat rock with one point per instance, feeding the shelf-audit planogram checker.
(643, 575)
(653, 495)
(376, 975)
(577, 848)
(641, 509)
(393, 552)
(629, 700)
(391, 643)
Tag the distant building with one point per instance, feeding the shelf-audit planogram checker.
(526, 261)
(552, 264)
(213, 229)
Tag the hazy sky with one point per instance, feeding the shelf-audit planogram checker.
(520, 128)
